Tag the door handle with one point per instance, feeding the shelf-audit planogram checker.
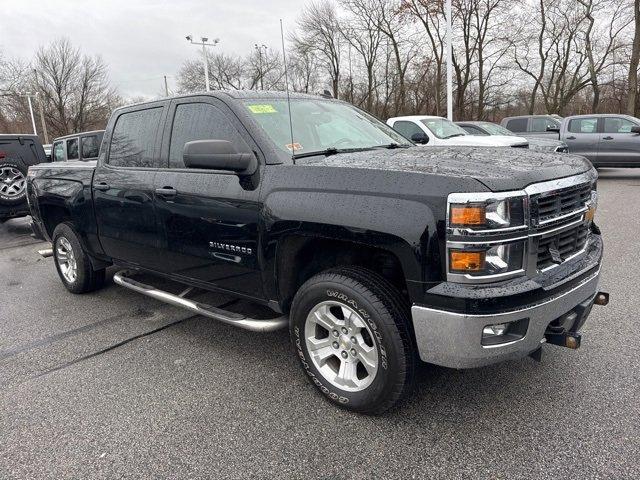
(101, 186)
(607, 138)
(571, 138)
(166, 192)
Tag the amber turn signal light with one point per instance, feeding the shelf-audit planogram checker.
(468, 215)
(465, 261)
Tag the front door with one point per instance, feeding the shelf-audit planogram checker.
(618, 146)
(582, 137)
(210, 218)
(123, 187)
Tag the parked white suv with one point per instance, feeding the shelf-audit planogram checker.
(438, 131)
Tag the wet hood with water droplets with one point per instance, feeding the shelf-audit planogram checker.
(497, 168)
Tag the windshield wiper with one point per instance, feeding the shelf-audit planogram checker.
(391, 146)
(329, 151)
(455, 135)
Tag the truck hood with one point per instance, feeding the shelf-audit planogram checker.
(498, 169)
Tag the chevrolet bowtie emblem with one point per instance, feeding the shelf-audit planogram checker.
(555, 255)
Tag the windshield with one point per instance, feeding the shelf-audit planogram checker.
(443, 128)
(495, 129)
(319, 125)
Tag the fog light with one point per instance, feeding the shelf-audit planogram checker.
(501, 333)
(494, 330)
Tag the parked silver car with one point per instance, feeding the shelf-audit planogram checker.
(535, 143)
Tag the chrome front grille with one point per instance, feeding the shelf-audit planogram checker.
(558, 204)
(564, 244)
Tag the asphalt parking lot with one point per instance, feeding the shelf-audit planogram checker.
(114, 384)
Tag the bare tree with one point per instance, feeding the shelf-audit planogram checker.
(320, 31)
(74, 88)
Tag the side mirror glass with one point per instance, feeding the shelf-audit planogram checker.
(635, 129)
(420, 138)
(218, 155)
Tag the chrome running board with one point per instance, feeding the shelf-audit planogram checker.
(124, 279)
(46, 252)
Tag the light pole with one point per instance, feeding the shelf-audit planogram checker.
(33, 119)
(449, 66)
(204, 53)
(45, 133)
(259, 48)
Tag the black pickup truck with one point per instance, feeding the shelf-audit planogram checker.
(373, 252)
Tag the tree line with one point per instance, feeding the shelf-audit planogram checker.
(385, 56)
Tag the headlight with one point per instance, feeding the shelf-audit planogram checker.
(481, 261)
(488, 214)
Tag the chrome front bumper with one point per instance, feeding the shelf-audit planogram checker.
(454, 339)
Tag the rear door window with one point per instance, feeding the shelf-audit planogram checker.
(517, 125)
(90, 147)
(58, 152)
(133, 142)
(583, 125)
(72, 149)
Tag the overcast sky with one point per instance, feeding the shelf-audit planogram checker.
(142, 40)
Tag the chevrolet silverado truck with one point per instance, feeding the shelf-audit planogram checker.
(372, 252)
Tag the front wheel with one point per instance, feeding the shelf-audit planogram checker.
(73, 264)
(349, 327)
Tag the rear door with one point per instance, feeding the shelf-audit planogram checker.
(210, 218)
(123, 188)
(618, 146)
(582, 137)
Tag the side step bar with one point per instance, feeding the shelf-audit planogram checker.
(236, 319)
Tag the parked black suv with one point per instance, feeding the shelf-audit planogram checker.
(17, 154)
(371, 251)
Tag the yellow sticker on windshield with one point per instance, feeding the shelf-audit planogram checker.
(262, 109)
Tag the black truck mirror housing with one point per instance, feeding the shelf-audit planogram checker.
(635, 129)
(218, 155)
(421, 138)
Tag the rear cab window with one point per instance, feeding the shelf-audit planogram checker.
(133, 142)
(407, 129)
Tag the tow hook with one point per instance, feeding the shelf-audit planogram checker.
(602, 298)
(570, 340)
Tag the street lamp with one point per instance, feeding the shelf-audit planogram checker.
(259, 48)
(33, 118)
(204, 53)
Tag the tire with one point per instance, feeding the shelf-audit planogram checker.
(368, 375)
(13, 183)
(72, 263)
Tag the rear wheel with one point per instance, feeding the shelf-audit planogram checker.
(349, 327)
(73, 264)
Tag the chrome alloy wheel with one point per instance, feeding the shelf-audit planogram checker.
(341, 346)
(66, 260)
(12, 182)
